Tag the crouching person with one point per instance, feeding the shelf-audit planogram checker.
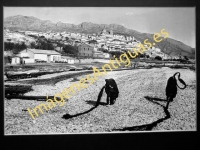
(111, 91)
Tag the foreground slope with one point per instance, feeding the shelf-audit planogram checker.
(131, 108)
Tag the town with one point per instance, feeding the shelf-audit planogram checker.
(68, 47)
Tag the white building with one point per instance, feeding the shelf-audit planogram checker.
(15, 60)
(157, 50)
(106, 55)
(69, 60)
(30, 55)
(98, 54)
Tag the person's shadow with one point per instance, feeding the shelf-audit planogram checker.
(67, 116)
(144, 127)
(94, 103)
(150, 126)
(155, 99)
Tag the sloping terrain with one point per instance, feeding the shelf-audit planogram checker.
(132, 110)
(168, 46)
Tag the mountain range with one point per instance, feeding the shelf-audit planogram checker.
(28, 23)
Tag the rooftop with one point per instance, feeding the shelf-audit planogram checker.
(40, 51)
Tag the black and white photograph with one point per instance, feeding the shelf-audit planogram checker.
(85, 70)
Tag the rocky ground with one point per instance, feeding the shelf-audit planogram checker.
(130, 110)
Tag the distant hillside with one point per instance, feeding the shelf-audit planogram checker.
(168, 46)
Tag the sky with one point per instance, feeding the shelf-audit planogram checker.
(179, 22)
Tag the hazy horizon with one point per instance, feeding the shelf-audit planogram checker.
(179, 22)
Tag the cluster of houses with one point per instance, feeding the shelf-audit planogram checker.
(34, 55)
(17, 37)
(104, 39)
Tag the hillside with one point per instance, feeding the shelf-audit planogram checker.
(18, 37)
(168, 46)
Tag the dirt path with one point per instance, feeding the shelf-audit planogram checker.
(131, 108)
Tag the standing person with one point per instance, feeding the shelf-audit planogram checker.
(20, 61)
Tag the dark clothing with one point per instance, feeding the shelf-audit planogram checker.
(111, 91)
(171, 89)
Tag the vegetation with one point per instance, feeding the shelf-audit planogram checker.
(116, 53)
(158, 58)
(14, 47)
(92, 42)
(103, 50)
(185, 57)
(69, 49)
(34, 36)
(43, 43)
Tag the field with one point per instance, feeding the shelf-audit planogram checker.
(139, 106)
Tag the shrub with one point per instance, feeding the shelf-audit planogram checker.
(186, 58)
(158, 58)
(192, 67)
